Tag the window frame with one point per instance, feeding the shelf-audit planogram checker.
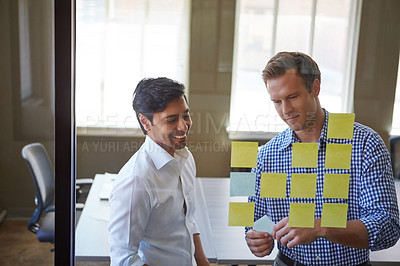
(349, 72)
(112, 125)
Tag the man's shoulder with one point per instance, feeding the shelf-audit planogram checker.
(364, 132)
(190, 155)
(138, 166)
(135, 174)
(368, 139)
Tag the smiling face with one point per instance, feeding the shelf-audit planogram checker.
(298, 107)
(169, 127)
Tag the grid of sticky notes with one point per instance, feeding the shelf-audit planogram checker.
(242, 184)
(336, 186)
(274, 185)
(338, 156)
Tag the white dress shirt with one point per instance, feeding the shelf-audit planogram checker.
(147, 215)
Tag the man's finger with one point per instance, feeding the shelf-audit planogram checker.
(281, 233)
(294, 242)
(263, 252)
(278, 226)
(255, 235)
(256, 242)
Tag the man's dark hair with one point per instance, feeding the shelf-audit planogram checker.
(152, 96)
(303, 64)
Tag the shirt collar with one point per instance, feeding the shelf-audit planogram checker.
(289, 137)
(324, 132)
(182, 154)
(161, 157)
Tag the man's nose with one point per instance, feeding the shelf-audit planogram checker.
(182, 125)
(286, 107)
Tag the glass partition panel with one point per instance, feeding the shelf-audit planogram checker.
(118, 43)
(27, 117)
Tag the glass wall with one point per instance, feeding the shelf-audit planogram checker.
(26, 109)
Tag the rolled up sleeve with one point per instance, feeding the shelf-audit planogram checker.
(380, 213)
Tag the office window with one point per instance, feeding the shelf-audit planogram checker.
(396, 109)
(119, 42)
(323, 29)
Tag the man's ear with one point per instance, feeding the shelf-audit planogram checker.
(316, 87)
(145, 122)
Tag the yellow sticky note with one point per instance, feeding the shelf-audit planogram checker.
(338, 156)
(303, 185)
(334, 215)
(241, 214)
(244, 154)
(305, 155)
(273, 185)
(340, 126)
(301, 215)
(336, 186)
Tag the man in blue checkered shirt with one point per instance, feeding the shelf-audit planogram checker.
(293, 82)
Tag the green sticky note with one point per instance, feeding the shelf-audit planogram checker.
(340, 126)
(303, 185)
(338, 156)
(244, 154)
(336, 186)
(241, 214)
(305, 155)
(264, 224)
(301, 215)
(273, 185)
(334, 215)
(242, 184)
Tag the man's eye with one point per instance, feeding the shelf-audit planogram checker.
(171, 120)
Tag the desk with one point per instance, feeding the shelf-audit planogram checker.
(92, 230)
(91, 240)
(229, 241)
(222, 243)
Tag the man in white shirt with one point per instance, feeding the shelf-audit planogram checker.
(152, 201)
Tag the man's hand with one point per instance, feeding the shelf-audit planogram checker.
(354, 235)
(293, 236)
(260, 243)
(199, 255)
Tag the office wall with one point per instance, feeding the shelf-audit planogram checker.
(377, 60)
(14, 175)
(210, 80)
(32, 119)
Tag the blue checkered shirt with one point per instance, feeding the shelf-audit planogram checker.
(372, 195)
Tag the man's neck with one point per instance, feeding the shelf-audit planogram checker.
(168, 149)
(313, 133)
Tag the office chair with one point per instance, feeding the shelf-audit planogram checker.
(42, 172)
